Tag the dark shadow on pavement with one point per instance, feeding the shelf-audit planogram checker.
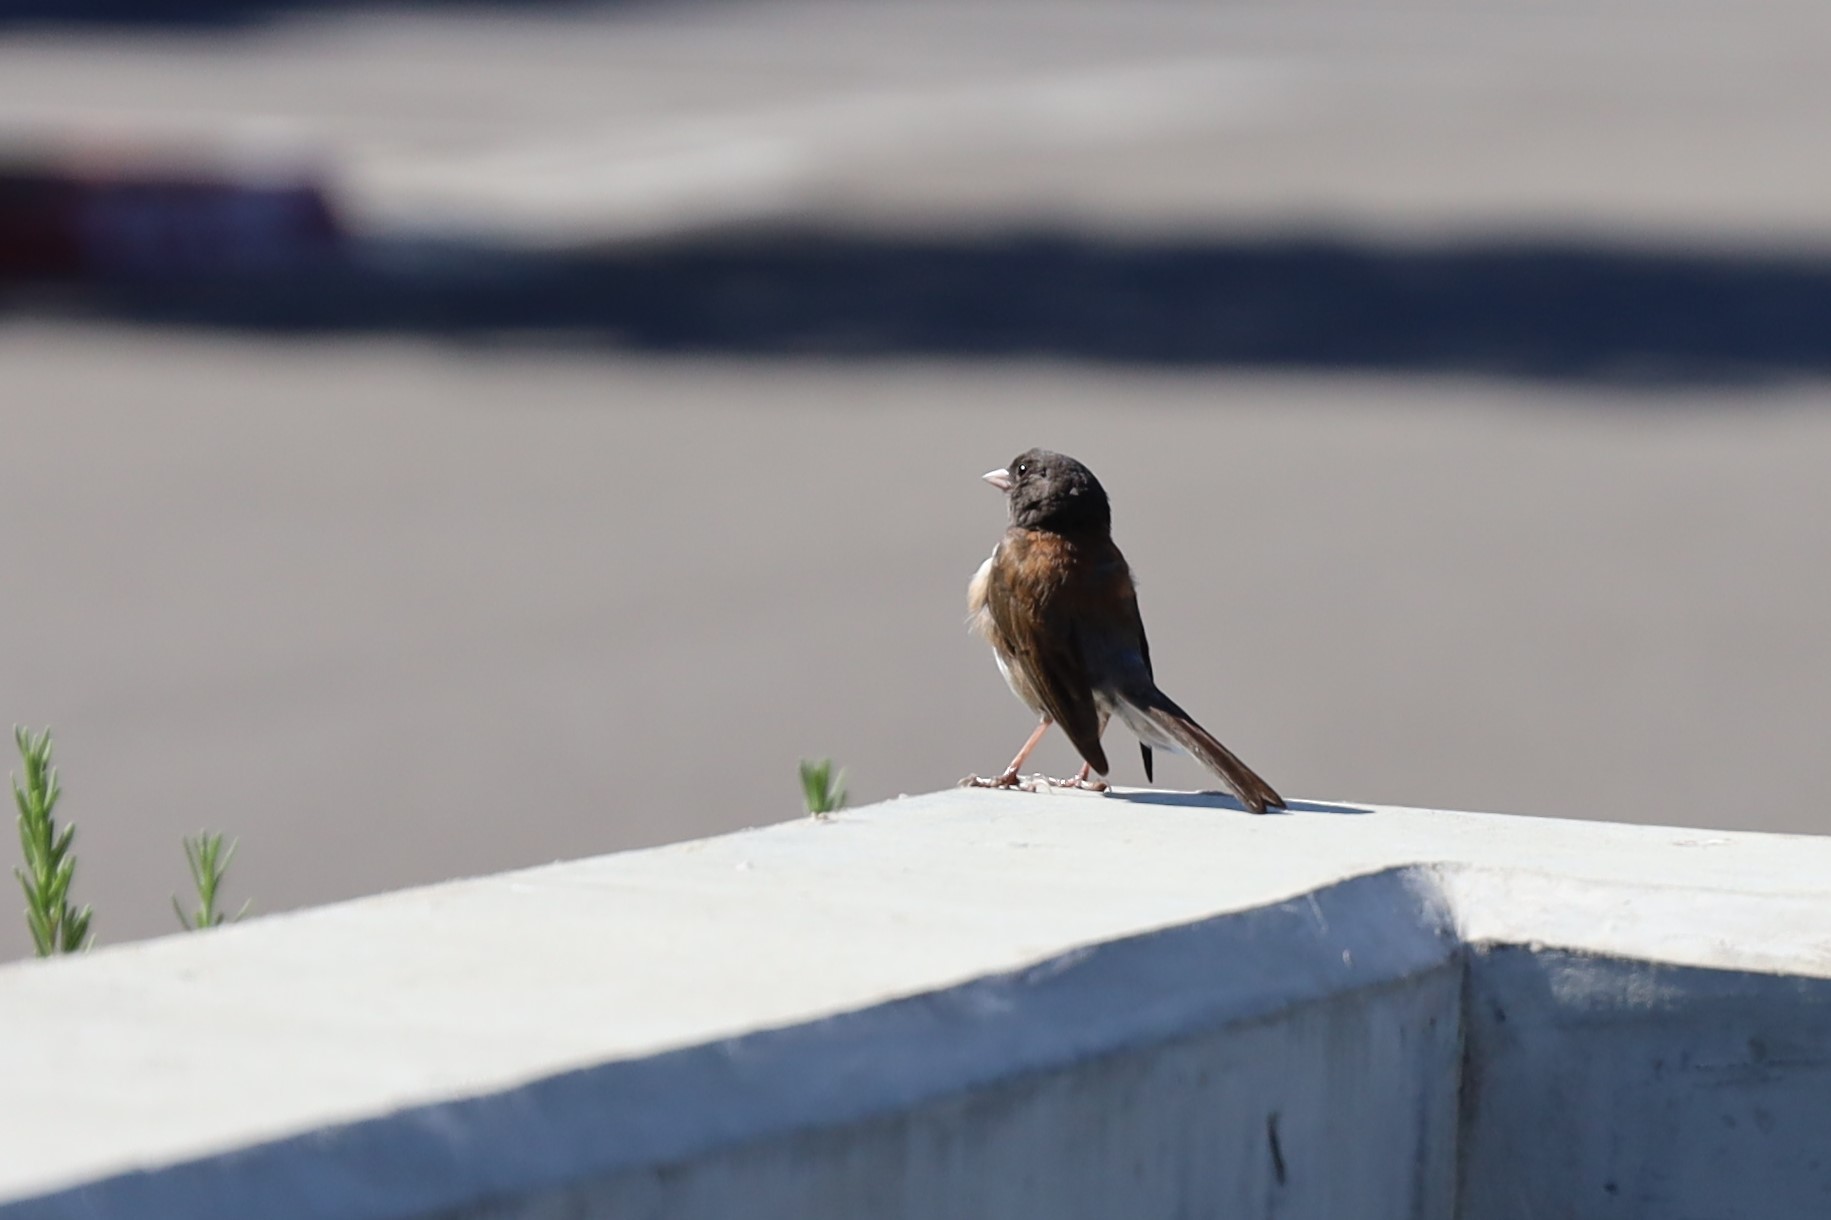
(1225, 802)
(1545, 309)
(233, 14)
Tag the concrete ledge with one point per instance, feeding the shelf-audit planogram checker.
(972, 1004)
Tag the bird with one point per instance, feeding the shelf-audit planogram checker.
(1058, 605)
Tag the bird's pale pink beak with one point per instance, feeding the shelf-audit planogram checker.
(1000, 478)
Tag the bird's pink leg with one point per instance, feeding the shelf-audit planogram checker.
(1009, 778)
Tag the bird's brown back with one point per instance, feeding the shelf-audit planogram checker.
(1049, 597)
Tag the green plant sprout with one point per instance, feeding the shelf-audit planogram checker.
(56, 926)
(208, 855)
(825, 792)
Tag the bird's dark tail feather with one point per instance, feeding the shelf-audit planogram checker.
(1179, 727)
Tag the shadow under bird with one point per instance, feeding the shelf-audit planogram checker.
(1057, 604)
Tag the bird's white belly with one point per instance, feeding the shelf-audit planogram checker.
(979, 618)
(1004, 671)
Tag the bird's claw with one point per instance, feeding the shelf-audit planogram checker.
(1033, 783)
(1084, 783)
(1011, 780)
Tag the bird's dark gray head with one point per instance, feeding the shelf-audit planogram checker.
(1052, 491)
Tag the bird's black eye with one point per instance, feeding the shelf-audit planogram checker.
(1023, 468)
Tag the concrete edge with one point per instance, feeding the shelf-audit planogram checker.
(1673, 925)
(1365, 932)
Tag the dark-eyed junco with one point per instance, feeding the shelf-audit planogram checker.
(1056, 603)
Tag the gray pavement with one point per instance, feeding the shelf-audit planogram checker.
(394, 609)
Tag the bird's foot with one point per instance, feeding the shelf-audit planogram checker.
(1083, 782)
(1011, 780)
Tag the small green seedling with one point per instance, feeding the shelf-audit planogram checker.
(825, 791)
(50, 864)
(208, 855)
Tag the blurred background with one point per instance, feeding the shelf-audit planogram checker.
(451, 437)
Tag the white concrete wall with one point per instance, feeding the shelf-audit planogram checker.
(1604, 1087)
(972, 1004)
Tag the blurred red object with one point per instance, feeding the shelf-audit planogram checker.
(59, 222)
